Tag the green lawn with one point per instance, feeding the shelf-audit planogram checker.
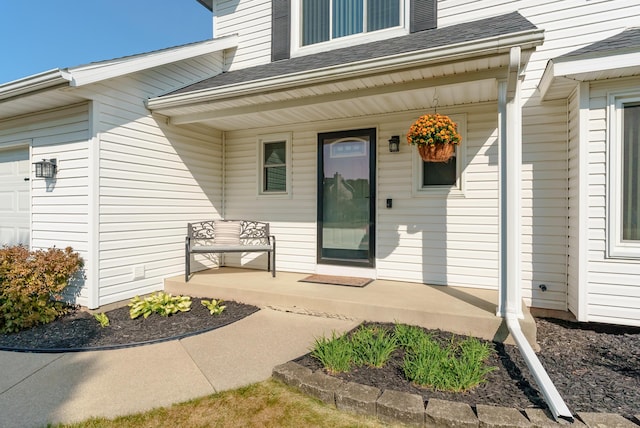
(265, 404)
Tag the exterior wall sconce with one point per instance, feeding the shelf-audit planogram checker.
(46, 168)
(394, 144)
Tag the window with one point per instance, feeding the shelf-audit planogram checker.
(324, 20)
(440, 173)
(441, 178)
(624, 176)
(275, 164)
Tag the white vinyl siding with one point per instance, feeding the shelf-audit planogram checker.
(544, 205)
(154, 178)
(59, 208)
(251, 20)
(574, 257)
(429, 240)
(613, 293)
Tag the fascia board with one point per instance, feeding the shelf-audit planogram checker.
(573, 68)
(35, 83)
(565, 70)
(462, 51)
(91, 73)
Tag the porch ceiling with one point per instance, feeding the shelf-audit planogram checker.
(455, 83)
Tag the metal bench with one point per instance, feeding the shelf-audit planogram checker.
(229, 236)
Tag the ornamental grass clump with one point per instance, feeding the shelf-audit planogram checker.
(335, 353)
(31, 285)
(372, 346)
(454, 366)
(457, 367)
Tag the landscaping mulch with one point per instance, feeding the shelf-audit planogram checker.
(79, 331)
(596, 368)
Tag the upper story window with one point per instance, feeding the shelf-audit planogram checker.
(324, 20)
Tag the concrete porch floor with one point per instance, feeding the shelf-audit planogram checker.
(459, 310)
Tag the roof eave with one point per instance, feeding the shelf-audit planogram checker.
(95, 72)
(527, 40)
(91, 73)
(562, 75)
(36, 83)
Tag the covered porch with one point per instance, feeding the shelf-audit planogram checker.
(461, 310)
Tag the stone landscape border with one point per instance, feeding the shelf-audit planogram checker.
(400, 407)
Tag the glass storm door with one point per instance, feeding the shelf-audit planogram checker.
(346, 197)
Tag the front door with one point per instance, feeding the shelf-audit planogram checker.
(346, 197)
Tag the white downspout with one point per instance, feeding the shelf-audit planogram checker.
(510, 164)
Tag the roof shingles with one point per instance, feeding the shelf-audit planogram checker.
(428, 39)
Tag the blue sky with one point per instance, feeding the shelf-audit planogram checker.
(39, 35)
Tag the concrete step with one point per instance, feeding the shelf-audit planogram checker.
(459, 310)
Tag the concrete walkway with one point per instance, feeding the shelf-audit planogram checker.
(36, 389)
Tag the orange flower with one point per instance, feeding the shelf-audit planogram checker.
(433, 129)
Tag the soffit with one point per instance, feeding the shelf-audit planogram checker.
(455, 83)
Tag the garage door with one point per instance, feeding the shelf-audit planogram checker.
(14, 196)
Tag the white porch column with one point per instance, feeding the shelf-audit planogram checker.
(509, 166)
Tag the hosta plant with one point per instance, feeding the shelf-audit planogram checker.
(215, 306)
(102, 318)
(160, 303)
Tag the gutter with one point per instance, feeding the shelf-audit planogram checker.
(39, 82)
(552, 397)
(510, 164)
(466, 50)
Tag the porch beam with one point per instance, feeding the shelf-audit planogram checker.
(315, 100)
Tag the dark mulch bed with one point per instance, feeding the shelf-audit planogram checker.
(79, 331)
(596, 368)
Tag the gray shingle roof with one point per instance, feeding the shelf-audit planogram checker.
(440, 37)
(626, 41)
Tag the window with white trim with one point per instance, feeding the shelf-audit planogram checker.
(624, 176)
(324, 20)
(441, 178)
(275, 164)
(332, 24)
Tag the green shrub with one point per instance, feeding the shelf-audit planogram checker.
(31, 283)
(372, 346)
(161, 303)
(335, 354)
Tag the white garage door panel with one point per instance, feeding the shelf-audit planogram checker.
(15, 202)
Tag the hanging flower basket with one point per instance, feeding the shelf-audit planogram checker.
(436, 136)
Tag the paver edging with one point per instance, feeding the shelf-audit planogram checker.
(316, 384)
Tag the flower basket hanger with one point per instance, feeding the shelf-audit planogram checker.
(435, 135)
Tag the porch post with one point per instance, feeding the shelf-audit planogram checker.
(510, 165)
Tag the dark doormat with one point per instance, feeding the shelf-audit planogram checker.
(350, 281)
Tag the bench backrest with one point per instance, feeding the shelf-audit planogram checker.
(247, 232)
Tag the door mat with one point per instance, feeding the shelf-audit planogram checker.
(350, 281)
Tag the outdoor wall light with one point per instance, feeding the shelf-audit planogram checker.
(46, 168)
(394, 144)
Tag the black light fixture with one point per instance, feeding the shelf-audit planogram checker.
(46, 168)
(394, 144)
